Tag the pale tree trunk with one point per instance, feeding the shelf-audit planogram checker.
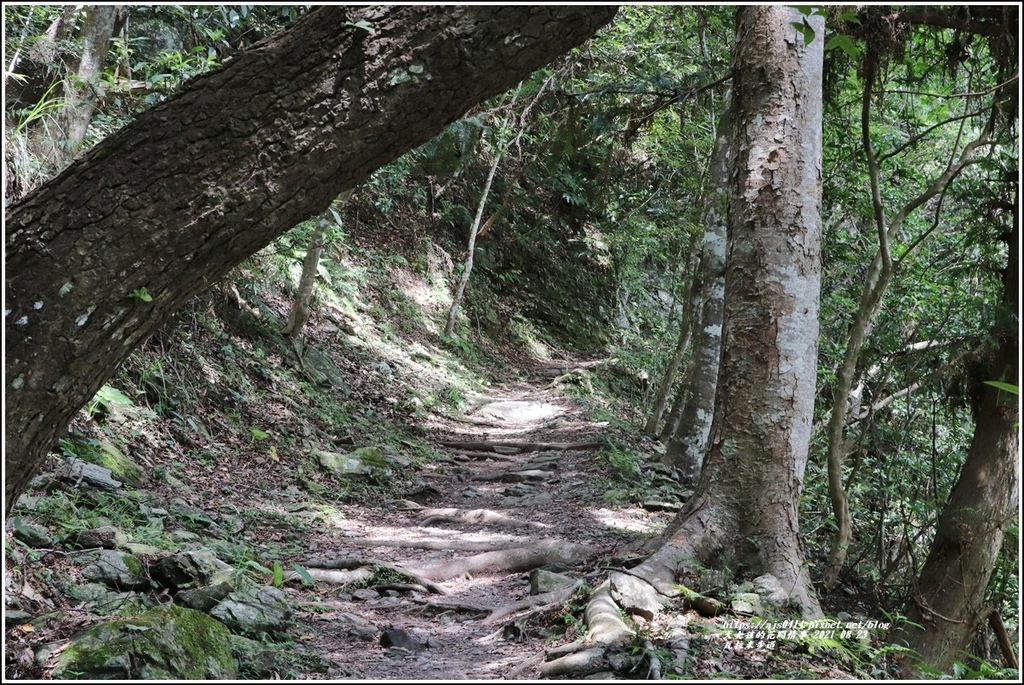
(310, 266)
(881, 271)
(460, 291)
(79, 106)
(689, 437)
(948, 601)
(744, 510)
(304, 293)
(177, 198)
(668, 379)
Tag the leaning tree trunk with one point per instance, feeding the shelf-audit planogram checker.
(79, 99)
(949, 599)
(467, 269)
(310, 268)
(685, 448)
(201, 181)
(744, 510)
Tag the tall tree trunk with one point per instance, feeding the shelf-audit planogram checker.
(193, 186)
(79, 106)
(744, 510)
(689, 311)
(949, 598)
(453, 312)
(689, 439)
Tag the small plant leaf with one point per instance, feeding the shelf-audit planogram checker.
(303, 574)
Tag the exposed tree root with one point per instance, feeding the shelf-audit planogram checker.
(582, 663)
(486, 517)
(335, 577)
(355, 563)
(542, 553)
(484, 455)
(523, 476)
(508, 447)
(442, 545)
(543, 602)
(449, 605)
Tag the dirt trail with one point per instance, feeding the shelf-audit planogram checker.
(547, 501)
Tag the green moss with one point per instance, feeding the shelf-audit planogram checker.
(167, 642)
(121, 467)
(134, 566)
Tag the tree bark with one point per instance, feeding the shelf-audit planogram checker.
(744, 510)
(949, 599)
(685, 448)
(79, 101)
(453, 312)
(304, 293)
(310, 266)
(668, 379)
(206, 178)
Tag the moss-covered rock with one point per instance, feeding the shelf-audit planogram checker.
(121, 467)
(166, 643)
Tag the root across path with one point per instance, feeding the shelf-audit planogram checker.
(480, 576)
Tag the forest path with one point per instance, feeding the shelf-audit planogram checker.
(510, 498)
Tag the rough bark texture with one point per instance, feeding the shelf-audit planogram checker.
(744, 512)
(949, 600)
(198, 183)
(686, 447)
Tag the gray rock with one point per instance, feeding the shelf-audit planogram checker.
(105, 601)
(203, 598)
(396, 637)
(141, 549)
(255, 660)
(747, 603)
(107, 537)
(368, 633)
(13, 616)
(94, 475)
(365, 594)
(117, 570)
(191, 569)
(542, 581)
(365, 461)
(32, 534)
(264, 610)
(167, 642)
(771, 590)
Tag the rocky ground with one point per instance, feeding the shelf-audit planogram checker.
(480, 568)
